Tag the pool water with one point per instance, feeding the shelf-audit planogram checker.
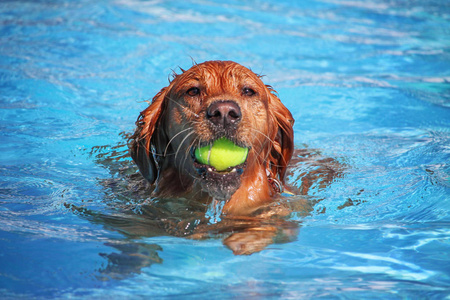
(368, 83)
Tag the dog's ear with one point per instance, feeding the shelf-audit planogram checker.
(282, 137)
(142, 142)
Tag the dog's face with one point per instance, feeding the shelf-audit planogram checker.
(205, 103)
(212, 101)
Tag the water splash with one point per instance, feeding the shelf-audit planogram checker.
(214, 211)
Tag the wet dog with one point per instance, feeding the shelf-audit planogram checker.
(210, 101)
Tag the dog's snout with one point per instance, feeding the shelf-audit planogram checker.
(224, 113)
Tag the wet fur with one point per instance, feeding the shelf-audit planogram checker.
(174, 122)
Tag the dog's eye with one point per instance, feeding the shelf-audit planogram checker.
(248, 91)
(193, 91)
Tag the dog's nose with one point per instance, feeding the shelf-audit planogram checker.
(224, 113)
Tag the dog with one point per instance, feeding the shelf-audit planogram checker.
(209, 101)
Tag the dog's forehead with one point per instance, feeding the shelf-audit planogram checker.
(220, 72)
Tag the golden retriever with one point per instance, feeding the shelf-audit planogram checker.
(209, 101)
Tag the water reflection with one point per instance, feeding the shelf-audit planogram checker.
(129, 210)
(133, 257)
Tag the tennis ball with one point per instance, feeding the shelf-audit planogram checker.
(222, 154)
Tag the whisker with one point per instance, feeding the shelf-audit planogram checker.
(263, 134)
(170, 141)
(187, 154)
(179, 147)
(184, 107)
(261, 145)
(191, 145)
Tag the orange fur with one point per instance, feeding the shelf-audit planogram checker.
(177, 121)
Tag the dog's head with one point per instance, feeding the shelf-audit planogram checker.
(212, 100)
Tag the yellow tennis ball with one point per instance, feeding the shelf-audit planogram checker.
(222, 154)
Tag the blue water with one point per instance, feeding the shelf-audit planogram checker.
(368, 83)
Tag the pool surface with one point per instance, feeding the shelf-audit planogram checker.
(368, 83)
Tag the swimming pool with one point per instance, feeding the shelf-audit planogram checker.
(366, 81)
